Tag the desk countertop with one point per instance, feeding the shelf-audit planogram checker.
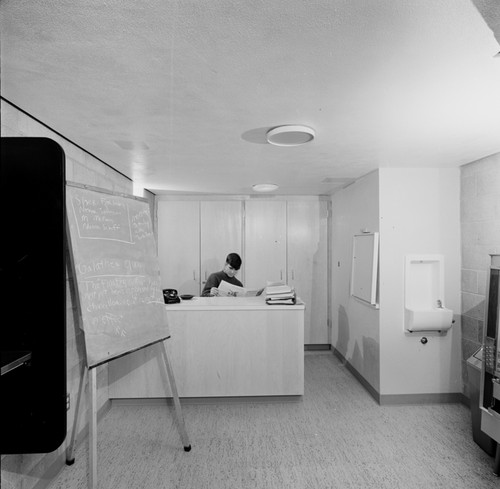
(230, 303)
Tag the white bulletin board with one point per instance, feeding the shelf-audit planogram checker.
(364, 275)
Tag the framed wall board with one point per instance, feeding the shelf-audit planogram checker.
(364, 275)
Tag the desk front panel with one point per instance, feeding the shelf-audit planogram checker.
(218, 353)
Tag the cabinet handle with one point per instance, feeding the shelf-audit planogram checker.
(194, 274)
(293, 275)
(205, 275)
(281, 274)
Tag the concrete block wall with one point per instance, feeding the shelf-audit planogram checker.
(480, 236)
(35, 471)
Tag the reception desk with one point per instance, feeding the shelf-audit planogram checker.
(220, 347)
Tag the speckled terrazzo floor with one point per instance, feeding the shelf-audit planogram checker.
(337, 436)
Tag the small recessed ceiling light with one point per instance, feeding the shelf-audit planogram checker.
(264, 187)
(290, 135)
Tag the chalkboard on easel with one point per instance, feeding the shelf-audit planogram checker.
(115, 266)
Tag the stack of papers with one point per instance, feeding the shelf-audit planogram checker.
(280, 294)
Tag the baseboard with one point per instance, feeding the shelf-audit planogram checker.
(320, 346)
(371, 390)
(401, 399)
(161, 401)
(465, 400)
(413, 399)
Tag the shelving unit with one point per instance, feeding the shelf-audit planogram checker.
(490, 376)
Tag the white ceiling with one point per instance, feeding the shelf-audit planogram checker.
(178, 95)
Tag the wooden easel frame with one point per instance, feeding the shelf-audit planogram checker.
(91, 375)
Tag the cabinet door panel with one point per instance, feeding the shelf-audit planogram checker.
(221, 230)
(179, 245)
(308, 264)
(265, 242)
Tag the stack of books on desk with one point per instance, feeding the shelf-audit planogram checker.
(280, 294)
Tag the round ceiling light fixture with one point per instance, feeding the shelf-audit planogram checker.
(264, 187)
(290, 135)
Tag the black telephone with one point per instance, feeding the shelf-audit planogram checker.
(170, 296)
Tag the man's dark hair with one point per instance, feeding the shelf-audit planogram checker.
(234, 260)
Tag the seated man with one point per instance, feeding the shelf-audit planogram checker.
(231, 267)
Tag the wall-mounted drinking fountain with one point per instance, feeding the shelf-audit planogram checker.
(424, 294)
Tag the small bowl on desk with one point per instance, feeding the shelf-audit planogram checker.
(186, 297)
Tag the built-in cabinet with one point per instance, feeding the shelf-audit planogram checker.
(287, 241)
(179, 246)
(194, 239)
(265, 242)
(307, 264)
(220, 234)
(278, 240)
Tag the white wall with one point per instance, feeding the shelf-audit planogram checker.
(416, 211)
(419, 214)
(355, 326)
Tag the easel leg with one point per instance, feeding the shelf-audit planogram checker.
(93, 429)
(177, 404)
(70, 450)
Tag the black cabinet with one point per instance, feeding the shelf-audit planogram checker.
(32, 295)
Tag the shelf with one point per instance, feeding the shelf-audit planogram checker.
(14, 359)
